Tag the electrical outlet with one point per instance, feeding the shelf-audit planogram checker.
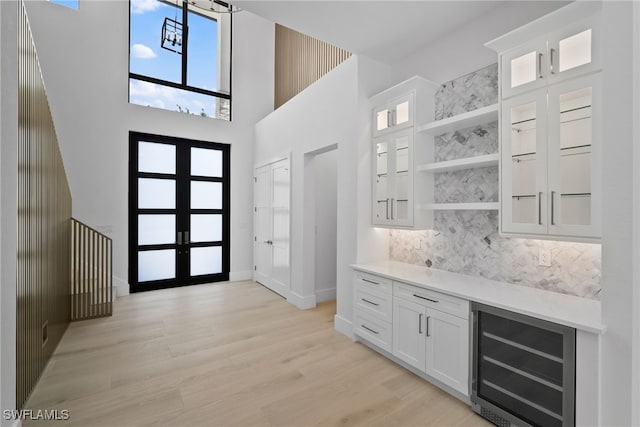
(544, 257)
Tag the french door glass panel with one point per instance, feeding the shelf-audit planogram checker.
(156, 158)
(206, 260)
(156, 229)
(206, 162)
(206, 195)
(206, 228)
(156, 193)
(156, 265)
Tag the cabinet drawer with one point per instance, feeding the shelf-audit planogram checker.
(446, 303)
(372, 329)
(372, 281)
(374, 301)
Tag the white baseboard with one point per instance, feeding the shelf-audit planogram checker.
(121, 286)
(302, 302)
(240, 276)
(343, 326)
(325, 295)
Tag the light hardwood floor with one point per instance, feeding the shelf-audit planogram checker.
(231, 354)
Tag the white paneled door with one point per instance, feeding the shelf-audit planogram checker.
(272, 195)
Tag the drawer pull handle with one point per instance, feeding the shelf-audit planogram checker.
(370, 330)
(370, 302)
(370, 281)
(425, 298)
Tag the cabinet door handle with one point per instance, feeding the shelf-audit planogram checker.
(387, 208)
(369, 302)
(392, 208)
(186, 238)
(420, 324)
(394, 117)
(540, 208)
(553, 196)
(370, 281)
(179, 238)
(428, 317)
(551, 66)
(425, 298)
(370, 330)
(389, 119)
(540, 66)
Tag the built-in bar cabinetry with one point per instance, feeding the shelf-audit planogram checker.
(533, 348)
(550, 133)
(426, 330)
(397, 149)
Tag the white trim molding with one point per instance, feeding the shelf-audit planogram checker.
(302, 302)
(344, 326)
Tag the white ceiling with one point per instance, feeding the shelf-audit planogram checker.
(384, 30)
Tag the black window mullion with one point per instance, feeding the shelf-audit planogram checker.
(185, 41)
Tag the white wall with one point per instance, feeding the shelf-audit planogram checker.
(619, 291)
(635, 373)
(324, 114)
(462, 51)
(326, 228)
(84, 58)
(8, 207)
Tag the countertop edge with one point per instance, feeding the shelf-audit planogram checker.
(590, 326)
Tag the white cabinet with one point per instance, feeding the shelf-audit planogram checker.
(427, 330)
(393, 181)
(372, 296)
(550, 134)
(431, 333)
(396, 114)
(396, 149)
(448, 349)
(553, 56)
(409, 341)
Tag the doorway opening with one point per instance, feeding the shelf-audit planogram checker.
(179, 212)
(320, 223)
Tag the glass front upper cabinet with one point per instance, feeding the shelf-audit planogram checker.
(565, 54)
(524, 126)
(574, 157)
(393, 179)
(396, 114)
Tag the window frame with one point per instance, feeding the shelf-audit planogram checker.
(184, 57)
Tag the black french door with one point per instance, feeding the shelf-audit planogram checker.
(178, 212)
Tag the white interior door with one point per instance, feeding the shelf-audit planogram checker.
(262, 225)
(272, 231)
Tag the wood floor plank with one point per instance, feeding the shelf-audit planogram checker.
(231, 354)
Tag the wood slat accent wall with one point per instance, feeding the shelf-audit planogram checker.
(91, 273)
(300, 60)
(44, 219)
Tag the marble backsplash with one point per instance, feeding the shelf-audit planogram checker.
(468, 242)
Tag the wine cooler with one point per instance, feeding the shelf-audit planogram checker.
(523, 371)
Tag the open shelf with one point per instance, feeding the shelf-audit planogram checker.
(479, 206)
(458, 164)
(461, 121)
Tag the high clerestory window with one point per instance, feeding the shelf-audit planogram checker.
(180, 56)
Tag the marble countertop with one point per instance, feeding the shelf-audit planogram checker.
(576, 312)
